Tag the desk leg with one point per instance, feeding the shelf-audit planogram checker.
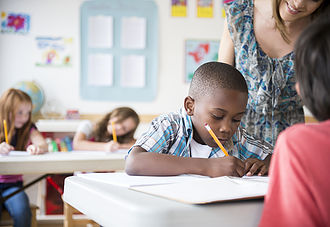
(68, 212)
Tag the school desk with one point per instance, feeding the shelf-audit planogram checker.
(62, 162)
(116, 206)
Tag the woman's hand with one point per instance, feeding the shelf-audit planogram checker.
(5, 148)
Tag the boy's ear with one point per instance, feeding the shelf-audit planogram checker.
(297, 88)
(189, 104)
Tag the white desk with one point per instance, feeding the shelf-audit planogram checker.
(62, 162)
(115, 206)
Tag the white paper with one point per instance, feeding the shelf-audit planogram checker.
(17, 153)
(133, 32)
(100, 31)
(209, 190)
(124, 180)
(100, 70)
(133, 71)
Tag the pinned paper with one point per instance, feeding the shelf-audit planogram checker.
(205, 8)
(133, 71)
(179, 8)
(100, 32)
(100, 70)
(54, 51)
(133, 32)
(15, 22)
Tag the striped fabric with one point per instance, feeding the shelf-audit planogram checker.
(172, 134)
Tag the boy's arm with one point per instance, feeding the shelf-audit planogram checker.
(140, 162)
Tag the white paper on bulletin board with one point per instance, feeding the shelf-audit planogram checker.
(133, 32)
(100, 70)
(100, 31)
(133, 71)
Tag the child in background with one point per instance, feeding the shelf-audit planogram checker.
(100, 136)
(299, 186)
(178, 143)
(15, 108)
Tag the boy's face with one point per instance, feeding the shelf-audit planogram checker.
(222, 111)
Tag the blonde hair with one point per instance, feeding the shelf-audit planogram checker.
(101, 133)
(279, 23)
(10, 101)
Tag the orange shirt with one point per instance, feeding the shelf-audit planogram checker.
(299, 187)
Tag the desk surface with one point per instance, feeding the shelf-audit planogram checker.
(116, 206)
(62, 162)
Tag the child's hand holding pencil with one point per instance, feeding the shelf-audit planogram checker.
(5, 148)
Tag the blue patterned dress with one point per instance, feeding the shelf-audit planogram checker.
(273, 103)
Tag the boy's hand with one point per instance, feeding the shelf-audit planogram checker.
(5, 148)
(226, 166)
(255, 166)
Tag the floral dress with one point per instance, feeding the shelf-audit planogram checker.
(273, 103)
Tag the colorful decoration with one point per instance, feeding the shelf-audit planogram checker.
(198, 52)
(179, 8)
(15, 23)
(55, 51)
(205, 8)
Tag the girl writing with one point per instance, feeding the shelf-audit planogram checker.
(120, 125)
(22, 135)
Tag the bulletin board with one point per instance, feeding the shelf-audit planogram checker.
(119, 50)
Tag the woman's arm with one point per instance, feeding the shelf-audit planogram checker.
(226, 50)
(39, 144)
(140, 162)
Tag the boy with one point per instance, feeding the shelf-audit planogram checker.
(298, 192)
(178, 143)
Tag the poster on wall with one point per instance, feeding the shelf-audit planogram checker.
(179, 8)
(205, 8)
(17, 23)
(54, 51)
(198, 52)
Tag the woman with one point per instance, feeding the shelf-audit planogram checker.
(258, 39)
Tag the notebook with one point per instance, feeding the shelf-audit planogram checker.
(210, 190)
(191, 189)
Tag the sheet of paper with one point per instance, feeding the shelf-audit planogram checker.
(122, 179)
(17, 153)
(209, 190)
(133, 32)
(133, 71)
(100, 31)
(100, 69)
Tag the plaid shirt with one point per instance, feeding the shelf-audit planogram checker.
(172, 134)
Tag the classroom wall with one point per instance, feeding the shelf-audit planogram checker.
(61, 85)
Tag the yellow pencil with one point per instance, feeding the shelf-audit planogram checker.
(114, 136)
(208, 128)
(6, 132)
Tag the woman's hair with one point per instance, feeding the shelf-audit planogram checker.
(279, 23)
(312, 62)
(101, 133)
(10, 101)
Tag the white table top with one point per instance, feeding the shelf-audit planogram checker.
(116, 206)
(62, 162)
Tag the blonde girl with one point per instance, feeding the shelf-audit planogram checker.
(15, 109)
